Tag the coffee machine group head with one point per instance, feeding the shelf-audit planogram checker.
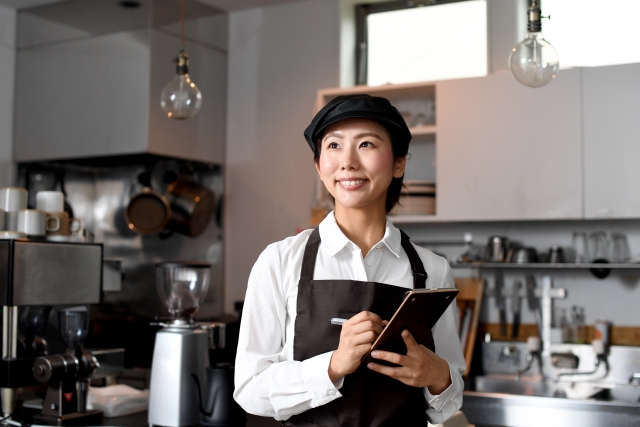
(181, 351)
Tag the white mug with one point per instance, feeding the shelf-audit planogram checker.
(11, 221)
(32, 222)
(13, 199)
(50, 201)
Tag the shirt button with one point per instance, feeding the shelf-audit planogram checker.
(369, 263)
(332, 393)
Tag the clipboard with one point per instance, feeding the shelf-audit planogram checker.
(418, 313)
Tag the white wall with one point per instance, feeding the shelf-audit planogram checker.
(7, 73)
(279, 56)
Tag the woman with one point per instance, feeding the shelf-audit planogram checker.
(292, 363)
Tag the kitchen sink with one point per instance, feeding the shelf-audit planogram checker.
(537, 386)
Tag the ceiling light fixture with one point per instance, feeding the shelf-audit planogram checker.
(534, 62)
(181, 98)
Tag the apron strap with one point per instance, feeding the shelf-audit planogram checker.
(310, 255)
(419, 273)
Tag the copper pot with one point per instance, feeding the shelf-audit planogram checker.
(148, 212)
(192, 207)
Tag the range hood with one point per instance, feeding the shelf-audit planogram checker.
(89, 76)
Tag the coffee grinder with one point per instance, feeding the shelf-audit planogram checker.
(67, 375)
(181, 351)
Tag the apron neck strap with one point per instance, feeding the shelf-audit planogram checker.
(311, 253)
(419, 273)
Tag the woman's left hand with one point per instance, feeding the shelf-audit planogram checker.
(419, 368)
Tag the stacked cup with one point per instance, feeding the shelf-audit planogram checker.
(57, 221)
(12, 201)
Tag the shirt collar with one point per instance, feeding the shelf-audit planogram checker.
(334, 240)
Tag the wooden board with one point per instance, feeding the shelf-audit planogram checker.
(620, 335)
(470, 296)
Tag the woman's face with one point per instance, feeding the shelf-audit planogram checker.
(356, 163)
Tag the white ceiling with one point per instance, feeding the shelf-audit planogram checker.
(220, 4)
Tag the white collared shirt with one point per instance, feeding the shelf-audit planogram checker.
(268, 381)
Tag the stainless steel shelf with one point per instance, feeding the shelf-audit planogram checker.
(545, 266)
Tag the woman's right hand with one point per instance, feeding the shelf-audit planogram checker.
(356, 338)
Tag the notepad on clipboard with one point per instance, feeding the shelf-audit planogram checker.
(418, 313)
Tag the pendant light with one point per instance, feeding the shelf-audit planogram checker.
(181, 98)
(534, 62)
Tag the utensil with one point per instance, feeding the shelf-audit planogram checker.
(515, 307)
(192, 207)
(219, 408)
(620, 251)
(496, 248)
(12, 200)
(50, 201)
(598, 245)
(500, 302)
(32, 222)
(148, 212)
(522, 255)
(556, 255)
(532, 301)
(580, 245)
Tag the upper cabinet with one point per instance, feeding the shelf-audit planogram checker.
(509, 152)
(611, 141)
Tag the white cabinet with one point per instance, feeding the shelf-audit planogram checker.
(509, 152)
(612, 141)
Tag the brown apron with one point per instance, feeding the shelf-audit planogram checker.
(369, 399)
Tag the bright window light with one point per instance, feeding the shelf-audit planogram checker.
(593, 33)
(441, 42)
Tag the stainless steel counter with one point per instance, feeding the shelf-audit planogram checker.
(507, 410)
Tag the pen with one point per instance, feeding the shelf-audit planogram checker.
(337, 321)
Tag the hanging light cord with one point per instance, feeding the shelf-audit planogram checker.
(182, 25)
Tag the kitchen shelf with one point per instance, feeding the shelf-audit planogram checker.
(423, 130)
(545, 266)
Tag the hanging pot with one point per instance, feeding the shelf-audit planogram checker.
(192, 207)
(148, 212)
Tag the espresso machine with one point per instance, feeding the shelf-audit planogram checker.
(40, 273)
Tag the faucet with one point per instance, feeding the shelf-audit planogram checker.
(533, 345)
(549, 293)
(601, 358)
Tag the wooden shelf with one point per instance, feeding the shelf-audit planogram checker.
(404, 90)
(545, 266)
(423, 130)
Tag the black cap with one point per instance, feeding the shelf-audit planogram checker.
(364, 107)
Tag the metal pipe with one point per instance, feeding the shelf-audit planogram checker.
(9, 351)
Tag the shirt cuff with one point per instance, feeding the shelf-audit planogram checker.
(437, 401)
(315, 373)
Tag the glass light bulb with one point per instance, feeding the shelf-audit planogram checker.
(534, 62)
(181, 98)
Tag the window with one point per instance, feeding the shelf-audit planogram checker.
(589, 34)
(443, 41)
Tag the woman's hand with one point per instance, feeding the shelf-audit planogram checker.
(356, 338)
(419, 368)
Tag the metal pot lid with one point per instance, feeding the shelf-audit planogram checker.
(182, 264)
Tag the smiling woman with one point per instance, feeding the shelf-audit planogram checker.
(293, 363)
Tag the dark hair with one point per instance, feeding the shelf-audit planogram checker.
(399, 151)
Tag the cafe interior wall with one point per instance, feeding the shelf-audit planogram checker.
(278, 57)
